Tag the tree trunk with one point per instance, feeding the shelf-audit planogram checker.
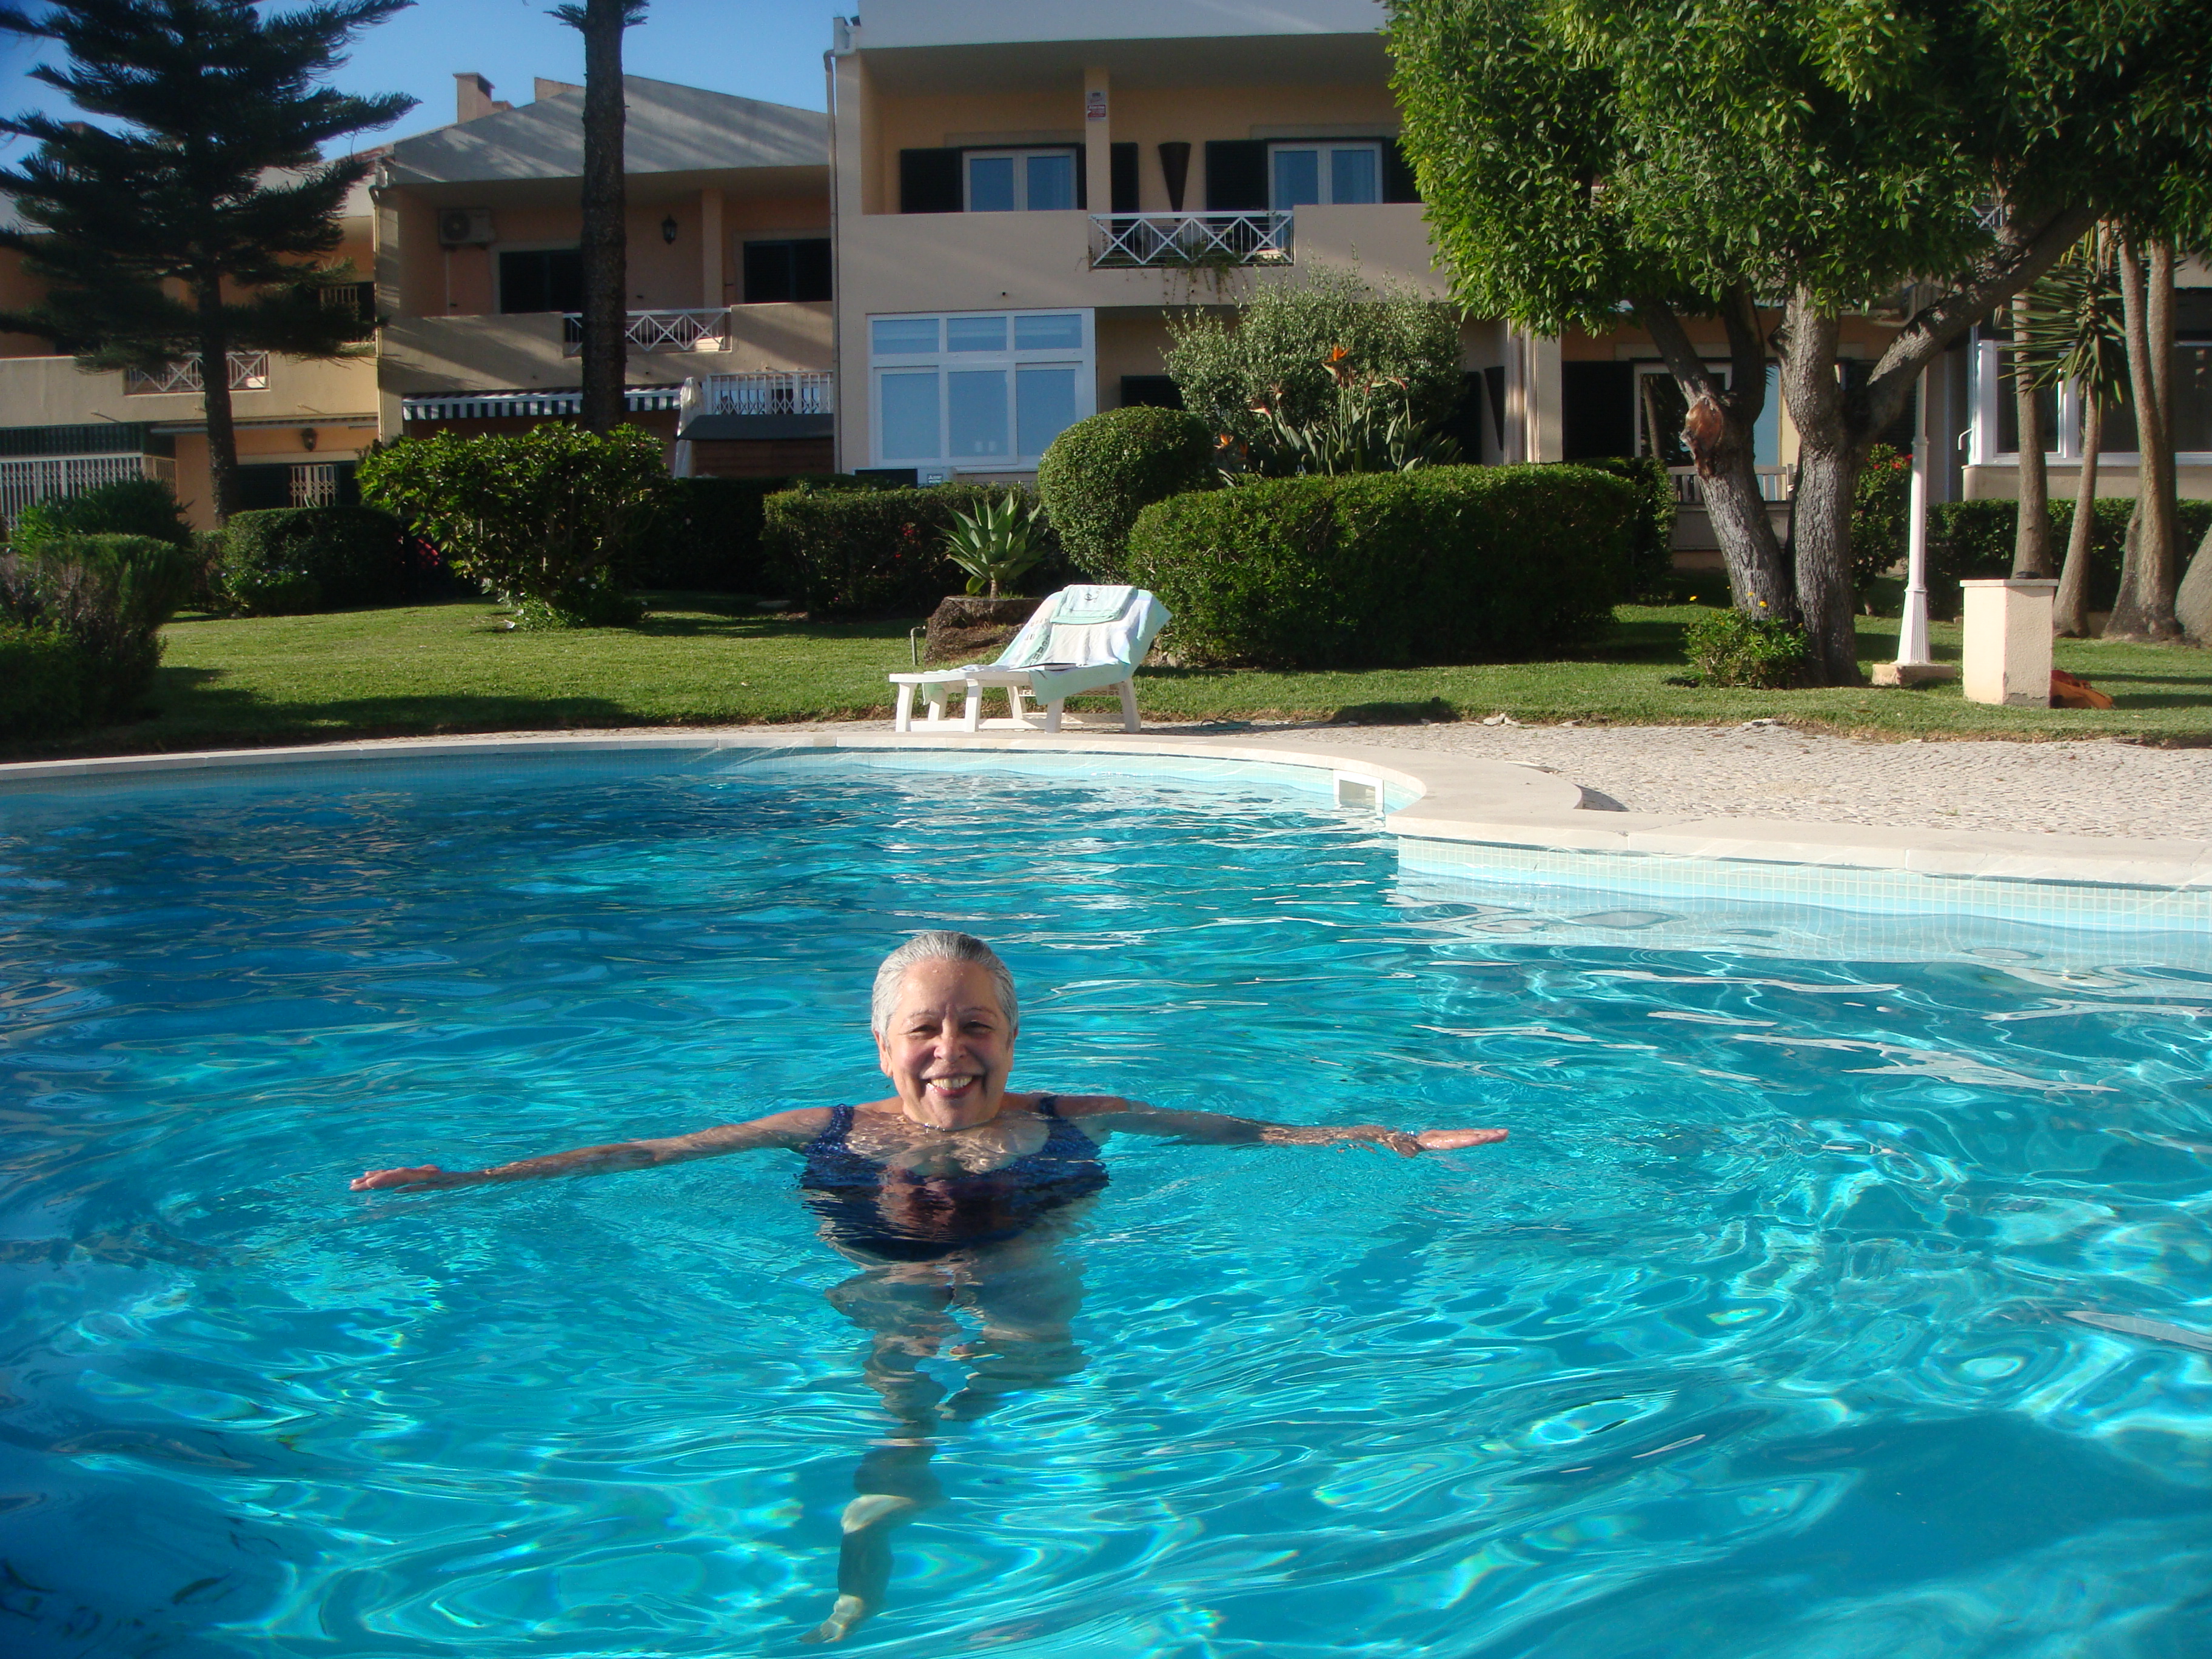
(1820, 518)
(605, 239)
(2192, 601)
(2069, 613)
(1718, 430)
(2031, 546)
(1832, 447)
(2144, 609)
(215, 399)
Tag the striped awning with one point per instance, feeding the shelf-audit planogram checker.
(530, 405)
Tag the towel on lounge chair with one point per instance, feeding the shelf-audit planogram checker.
(1083, 638)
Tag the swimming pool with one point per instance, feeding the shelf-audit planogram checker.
(1753, 1340)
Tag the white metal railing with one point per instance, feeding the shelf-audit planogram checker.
(1183, 240)
(766, 392)
(27, 479)
(249, 372)
(702, 330)
(1773, 485)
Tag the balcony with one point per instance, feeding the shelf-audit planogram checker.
(1187, 241)
(706, 330)
(249, 372)
(1773, 485)
(51, 478)
(767, 406)
(769, 392)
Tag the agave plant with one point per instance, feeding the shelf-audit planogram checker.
(1000, 542)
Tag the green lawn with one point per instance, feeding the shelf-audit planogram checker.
(700, 660)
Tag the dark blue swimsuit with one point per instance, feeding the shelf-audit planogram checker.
(936, 1215)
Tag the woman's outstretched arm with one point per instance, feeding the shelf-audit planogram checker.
(780, 1129)
(1106, 1114)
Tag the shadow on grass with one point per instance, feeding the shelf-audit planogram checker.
(193, 715)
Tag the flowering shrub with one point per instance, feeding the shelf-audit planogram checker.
(1879, 511)
(1730, 648)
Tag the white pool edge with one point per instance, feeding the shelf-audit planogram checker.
(1459, 802)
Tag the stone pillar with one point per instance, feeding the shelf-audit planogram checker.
(710, 248)
(1098, 142)
(2008, 641)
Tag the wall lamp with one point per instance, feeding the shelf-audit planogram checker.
(668, 230)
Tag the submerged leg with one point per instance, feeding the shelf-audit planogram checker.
(904, 1309)
(1027, 1295)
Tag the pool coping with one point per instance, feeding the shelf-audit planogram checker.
(1459, 799)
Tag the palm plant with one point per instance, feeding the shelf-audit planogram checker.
(1001, 542)
(2076, 333)
(1372, 429)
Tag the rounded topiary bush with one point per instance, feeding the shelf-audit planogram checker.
(42, 681)
(1100, 472)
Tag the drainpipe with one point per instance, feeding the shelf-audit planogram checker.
(836, 273)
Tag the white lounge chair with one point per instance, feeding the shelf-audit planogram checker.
(1081, 639)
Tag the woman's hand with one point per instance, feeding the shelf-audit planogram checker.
(422, 1175)
(1450, 1140)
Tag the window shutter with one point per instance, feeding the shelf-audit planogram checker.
(1236, 175)
(1398, 184)
(1083, 175)
(929, 181)
(810, 268)
(1124, 160)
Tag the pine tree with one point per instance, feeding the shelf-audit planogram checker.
(606, 237)
(187, 216)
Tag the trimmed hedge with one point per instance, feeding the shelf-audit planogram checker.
(1651, 555)
(708, 539)
(123, 507)
(287, 561)
(109, 595)
(1444, 564)
(878, 552)
(1973, 540)
(1100, 472)
(42, 681)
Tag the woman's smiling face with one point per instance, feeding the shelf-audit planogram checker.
(947, 1048)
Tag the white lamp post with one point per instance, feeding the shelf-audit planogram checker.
(1912, 666)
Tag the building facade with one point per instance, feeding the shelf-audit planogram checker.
(300, 423)
(983, 240)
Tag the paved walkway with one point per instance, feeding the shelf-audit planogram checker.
(2088, 788)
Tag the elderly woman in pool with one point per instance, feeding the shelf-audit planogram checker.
(953, 1191)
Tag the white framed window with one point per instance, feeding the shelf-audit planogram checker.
(1994, 439)
(1659, 410)
(1324, 174)
(977, 392)
(1017, 181)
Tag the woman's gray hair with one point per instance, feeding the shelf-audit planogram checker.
(940, 945)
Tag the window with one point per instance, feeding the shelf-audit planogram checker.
(1659, 409)
(776, 273)
(1019, 180)
(1996, 427)
(980, 390)
(1320, 174)
(541, 279)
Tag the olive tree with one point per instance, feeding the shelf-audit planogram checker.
(1777, 166)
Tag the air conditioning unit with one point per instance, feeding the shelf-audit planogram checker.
(463, 226)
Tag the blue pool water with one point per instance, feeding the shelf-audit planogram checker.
(1752, 1341)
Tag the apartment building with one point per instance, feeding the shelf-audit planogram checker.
(1025, 192)
(479, 276)
(300, 423)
